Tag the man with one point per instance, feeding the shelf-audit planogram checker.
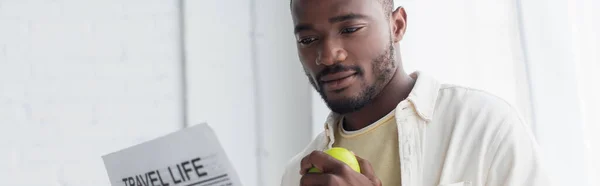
(405, 129)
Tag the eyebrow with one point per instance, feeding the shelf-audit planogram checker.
(302, 27)
(336, 19)
(346, 17)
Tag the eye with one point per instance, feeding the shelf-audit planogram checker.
(307, 41)
(350, 30)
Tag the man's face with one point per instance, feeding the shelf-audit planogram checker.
(346, 49)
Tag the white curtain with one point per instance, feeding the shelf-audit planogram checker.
(562, 42)
(585, 27)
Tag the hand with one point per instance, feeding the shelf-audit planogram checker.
(335, 172)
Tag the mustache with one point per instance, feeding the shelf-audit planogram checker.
(338, 68)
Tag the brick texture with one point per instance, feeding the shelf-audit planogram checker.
(79, 79)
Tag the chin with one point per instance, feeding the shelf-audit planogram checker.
(342, 96)
(340, 100)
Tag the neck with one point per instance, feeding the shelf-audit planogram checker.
(392, 94)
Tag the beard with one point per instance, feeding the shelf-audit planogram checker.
(383, 68)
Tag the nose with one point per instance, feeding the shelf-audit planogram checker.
(331, 53)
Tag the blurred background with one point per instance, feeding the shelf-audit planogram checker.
(81, 79)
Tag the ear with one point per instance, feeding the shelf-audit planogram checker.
(398, 24)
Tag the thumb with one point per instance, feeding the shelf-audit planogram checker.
(367, 170)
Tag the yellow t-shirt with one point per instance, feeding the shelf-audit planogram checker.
(378, 144)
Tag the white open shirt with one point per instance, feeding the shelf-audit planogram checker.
(452, 136)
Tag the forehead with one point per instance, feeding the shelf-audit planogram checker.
(322, 10)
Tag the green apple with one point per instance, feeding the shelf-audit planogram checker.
(343, 155)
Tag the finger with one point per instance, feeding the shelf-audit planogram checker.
(366, 168)
(305, 165)
(321, 161)
(318, 179)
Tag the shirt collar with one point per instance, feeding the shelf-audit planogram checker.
(424, 95)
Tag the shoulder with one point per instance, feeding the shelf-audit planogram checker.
(475, 104)
(471, 97)
(477, 112)
(291, 175)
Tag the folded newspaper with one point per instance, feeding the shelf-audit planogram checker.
(189, 157)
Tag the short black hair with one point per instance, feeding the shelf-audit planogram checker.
(388, 6)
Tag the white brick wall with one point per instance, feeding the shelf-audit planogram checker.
(79, 79)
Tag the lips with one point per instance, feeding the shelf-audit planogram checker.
(338, 81)
(336, 76)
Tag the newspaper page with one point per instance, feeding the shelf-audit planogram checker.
(189, 157)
